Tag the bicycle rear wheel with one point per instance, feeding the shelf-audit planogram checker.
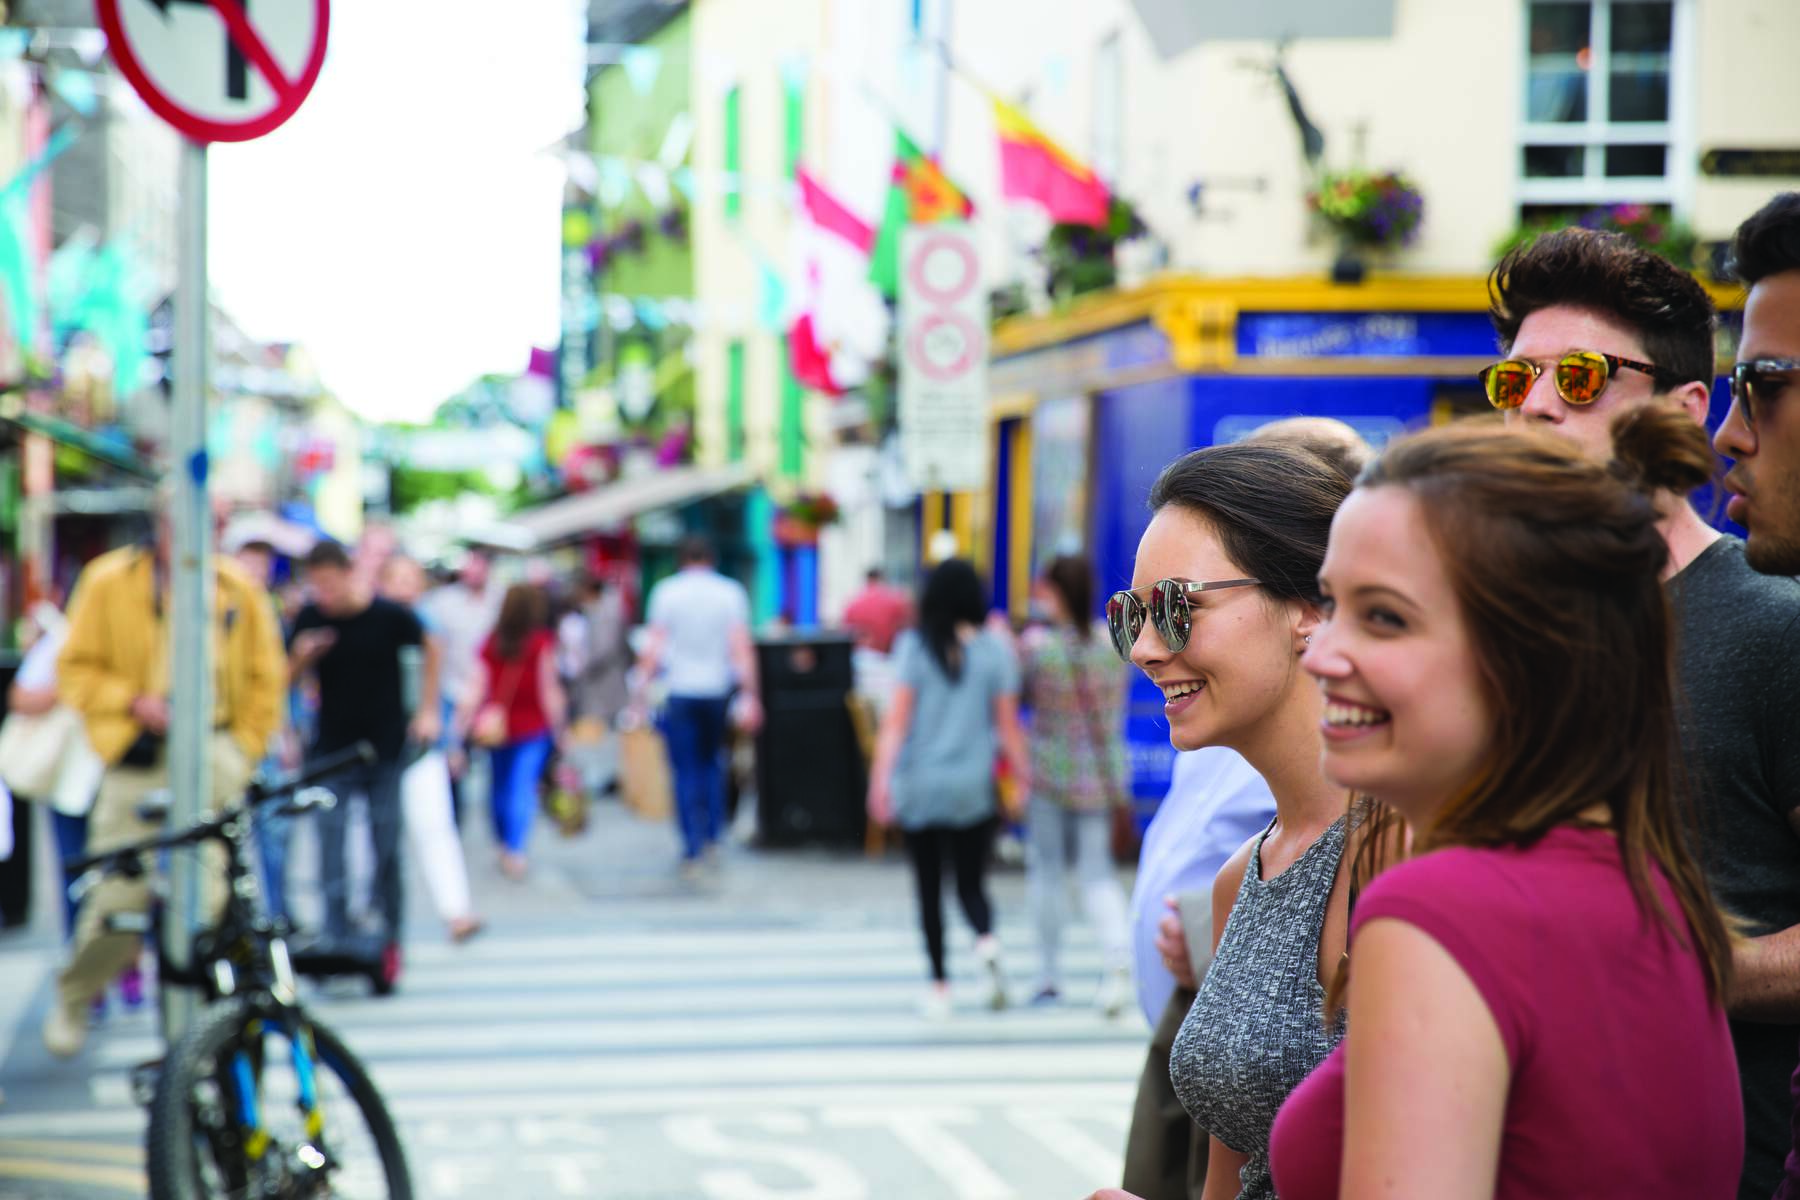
(259, 1101)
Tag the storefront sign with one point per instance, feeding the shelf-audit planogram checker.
(943, 339)
(1767, 163)
(1363, 335)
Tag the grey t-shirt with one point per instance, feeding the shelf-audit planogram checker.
(945, 773)
(1738, 651)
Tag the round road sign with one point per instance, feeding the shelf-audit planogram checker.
(219, 70)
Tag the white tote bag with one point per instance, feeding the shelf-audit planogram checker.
(425, 799)
(32, 749)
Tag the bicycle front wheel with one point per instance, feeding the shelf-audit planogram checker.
(256, 1100)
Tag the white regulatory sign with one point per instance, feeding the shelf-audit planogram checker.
(219, 70)
(943, 342)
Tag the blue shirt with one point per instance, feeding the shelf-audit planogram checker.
(945, 773)
(1216, 803)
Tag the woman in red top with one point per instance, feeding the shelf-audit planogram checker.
(522, 706)
(1535, 1000)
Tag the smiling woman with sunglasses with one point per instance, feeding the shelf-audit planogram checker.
(1224, 604)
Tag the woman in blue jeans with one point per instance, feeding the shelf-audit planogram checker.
(523, 705)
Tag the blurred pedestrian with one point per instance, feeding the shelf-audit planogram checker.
(878, 613)
(1594, 325)
(425, 783)
(1224, 605)
(1497, 669)
(699, 642)
(462, 612)
(1761, 433)
(516, 711)
(114, 670)
(954, 710)
(76, 777)
(1074, 688)
(356, 645)
(600, 687)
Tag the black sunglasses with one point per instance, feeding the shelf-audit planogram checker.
(1168, 609)
(1757, 382)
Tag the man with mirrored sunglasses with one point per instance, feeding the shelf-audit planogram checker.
(1761, 433)
(1592, 326)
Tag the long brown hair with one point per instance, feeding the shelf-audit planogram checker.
(1556, 563)
(1073, 581)
(522, 613)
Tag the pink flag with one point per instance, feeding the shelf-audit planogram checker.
(829, 214)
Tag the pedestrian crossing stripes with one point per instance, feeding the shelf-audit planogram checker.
(728, 1065)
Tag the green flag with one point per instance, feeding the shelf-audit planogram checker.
(920, 194)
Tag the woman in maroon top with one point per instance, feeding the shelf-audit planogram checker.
(520, 698)
(1534, 999)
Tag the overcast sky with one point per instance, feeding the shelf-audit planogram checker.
(404, 224)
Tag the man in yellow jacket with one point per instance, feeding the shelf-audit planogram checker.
(114, 671)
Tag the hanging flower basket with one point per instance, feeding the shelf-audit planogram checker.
(798, 522)
(1378, 211)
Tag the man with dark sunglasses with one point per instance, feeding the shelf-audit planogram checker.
(1592, 326)
(1762, 430)
(1761, 433)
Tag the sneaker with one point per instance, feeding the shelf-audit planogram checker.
(464, 928)
(987, 949)
(64, 1031)
(1115, 992)
(390, 964)
(1046, 996)
(935, 1004)
(692, 870)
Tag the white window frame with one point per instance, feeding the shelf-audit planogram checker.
(1675, 187)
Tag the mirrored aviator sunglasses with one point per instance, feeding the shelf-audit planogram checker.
(1169, 611)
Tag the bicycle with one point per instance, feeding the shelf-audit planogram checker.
(218, 1098)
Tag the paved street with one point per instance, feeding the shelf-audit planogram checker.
(617, 1033)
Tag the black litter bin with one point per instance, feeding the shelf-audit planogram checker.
(810, 778)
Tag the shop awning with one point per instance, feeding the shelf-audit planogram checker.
(606, 507)
(70, 434)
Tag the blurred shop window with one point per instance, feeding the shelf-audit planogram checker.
(1109, 109)
(734, 181)
(1602, 78)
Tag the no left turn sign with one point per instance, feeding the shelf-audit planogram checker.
(219, 70)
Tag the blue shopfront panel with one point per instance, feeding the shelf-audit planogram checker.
(1140, 430)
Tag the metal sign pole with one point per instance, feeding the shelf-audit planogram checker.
(191, 577)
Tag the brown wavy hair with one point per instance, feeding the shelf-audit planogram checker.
(1556, 561)
(523, 611)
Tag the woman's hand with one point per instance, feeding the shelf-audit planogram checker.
(881, 800)
(1171, 943)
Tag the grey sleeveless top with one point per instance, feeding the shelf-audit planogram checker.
(1257, 1028)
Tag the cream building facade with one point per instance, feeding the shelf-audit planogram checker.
(1498, 110)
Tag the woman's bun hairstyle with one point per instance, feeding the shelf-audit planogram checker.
(1658, 448)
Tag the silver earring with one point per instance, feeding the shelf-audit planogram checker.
(1308, 639)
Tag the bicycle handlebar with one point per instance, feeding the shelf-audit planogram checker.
(362, 754)
(257, 793)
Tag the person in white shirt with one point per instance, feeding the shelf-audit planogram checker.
(699, 640)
